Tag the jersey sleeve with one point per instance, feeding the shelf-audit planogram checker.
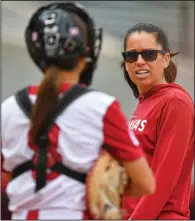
(120, 141)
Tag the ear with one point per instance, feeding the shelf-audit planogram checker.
(167, 59)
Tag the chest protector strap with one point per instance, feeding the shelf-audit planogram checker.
(42, 140)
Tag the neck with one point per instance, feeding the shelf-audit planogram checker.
(69, 77)
(146, 89)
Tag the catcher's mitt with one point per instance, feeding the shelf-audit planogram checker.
(106, 183)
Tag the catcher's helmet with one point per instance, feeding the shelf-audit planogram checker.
(53, 38)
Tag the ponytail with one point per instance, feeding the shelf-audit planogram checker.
(47, 97)
(170, 72)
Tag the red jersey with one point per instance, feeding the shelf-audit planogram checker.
(164, 124)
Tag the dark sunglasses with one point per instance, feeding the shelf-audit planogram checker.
(147, 55)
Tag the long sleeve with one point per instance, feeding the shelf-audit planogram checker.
(175, 131)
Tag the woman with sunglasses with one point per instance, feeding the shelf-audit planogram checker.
(163, 121)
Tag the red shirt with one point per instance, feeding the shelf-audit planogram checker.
(164, 123)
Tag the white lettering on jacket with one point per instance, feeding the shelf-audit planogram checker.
(137, 125)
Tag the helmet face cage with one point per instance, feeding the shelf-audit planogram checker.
(47, 49)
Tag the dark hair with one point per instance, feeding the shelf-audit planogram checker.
(170, 72)
(47, 95)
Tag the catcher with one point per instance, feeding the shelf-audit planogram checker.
(57, 133)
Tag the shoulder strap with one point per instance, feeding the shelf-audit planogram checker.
(42, 139)
(22, 98)
(24, 101)
(71, 95)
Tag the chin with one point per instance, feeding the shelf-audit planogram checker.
(145, 86)
(144, 83)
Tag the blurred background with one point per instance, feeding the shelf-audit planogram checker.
(116, 17)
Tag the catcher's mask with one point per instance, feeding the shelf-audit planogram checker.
(53, 38)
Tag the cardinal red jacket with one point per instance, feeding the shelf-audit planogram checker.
(164, 124)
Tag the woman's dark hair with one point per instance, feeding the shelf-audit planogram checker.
(170, 72)
(47, 95)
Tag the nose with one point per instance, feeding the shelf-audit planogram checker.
(140, 60)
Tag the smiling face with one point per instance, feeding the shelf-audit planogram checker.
(146, 74)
